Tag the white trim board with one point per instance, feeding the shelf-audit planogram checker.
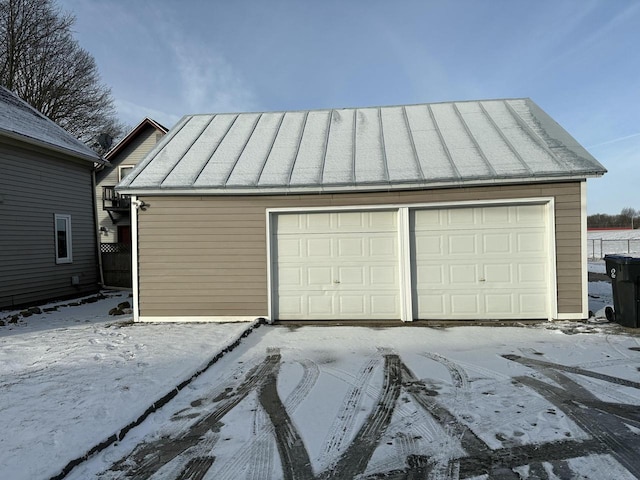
(203, 319)
(134, 259)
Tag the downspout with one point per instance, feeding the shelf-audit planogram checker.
(96, 226)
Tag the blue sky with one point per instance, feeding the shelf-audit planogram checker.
(577, 59)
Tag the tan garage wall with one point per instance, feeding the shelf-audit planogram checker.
(207, 255)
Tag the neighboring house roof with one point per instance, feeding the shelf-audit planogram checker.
(21, 121)
(146, 122)
(396, 147)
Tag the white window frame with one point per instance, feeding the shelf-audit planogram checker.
(67, 221)
(120, 168)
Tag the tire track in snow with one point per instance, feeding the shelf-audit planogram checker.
(310, 374)
(261, 465)
(343, 422)
(354, 460)
(150, 457)
(458, 375)
(294, 457)
(605, 428)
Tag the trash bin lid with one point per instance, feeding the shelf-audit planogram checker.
(623, 259)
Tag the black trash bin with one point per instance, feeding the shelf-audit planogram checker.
(624, 272)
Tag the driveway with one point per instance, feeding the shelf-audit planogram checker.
(398, 403)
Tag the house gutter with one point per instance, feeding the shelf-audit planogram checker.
(345, 188)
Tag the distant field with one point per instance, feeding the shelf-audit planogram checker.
(603, 242)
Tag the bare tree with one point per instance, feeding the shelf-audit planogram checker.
(42, 62)
(629, 213)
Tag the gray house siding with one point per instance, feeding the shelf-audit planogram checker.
(36, 184)
(109, 177)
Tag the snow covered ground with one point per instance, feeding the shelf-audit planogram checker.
(549, 401)
(71, 378)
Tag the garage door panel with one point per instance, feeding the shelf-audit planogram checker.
(497, 243)
(462, 244)
(530, 214)
(532, 273)
(496, 216)
(352, 276)
(428, 246)
(429, 275)
(290, 247)
(346, 268)
(432, 305)
(499, 303)
(384, 305)
(319, 222)
(385, 246)
(319, 305)
(291, 276)
(460, 216)
(351, 305)
(383, 275)
(290, 305)
(465, 304)
(318, 247)
(351, 247)
(425, 220)
(531, 242)
(498, 273)
(463, 274)
(495, 266)
(317, 276)
(532, 303)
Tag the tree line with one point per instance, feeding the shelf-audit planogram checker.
(627, 218)
(45, 66)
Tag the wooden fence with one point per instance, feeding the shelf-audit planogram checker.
(116, 264)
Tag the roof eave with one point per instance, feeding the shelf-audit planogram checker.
(132, 134)
(347, 188)
(66, 151)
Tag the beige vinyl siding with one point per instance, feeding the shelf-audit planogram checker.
(207, 255)
(35, 185)
(135, 151)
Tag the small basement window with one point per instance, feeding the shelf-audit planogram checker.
(63, 238)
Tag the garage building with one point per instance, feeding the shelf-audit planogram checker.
(470, 210)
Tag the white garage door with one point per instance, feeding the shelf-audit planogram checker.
(336, 265)
(480, 263)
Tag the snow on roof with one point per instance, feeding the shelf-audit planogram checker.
(20, 120)
(406, 146)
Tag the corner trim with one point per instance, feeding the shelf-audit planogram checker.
(134, 259)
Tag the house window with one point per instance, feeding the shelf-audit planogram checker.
(63, 238)
(124, 170)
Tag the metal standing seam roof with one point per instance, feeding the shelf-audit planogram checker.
(394, 147)
(21, 121)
